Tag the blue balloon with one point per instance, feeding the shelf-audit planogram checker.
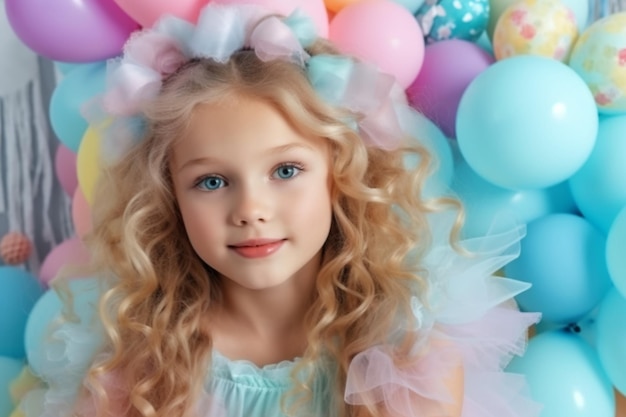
(565, 376)
(68, 98)
(65, 67)
(485, 201)
(519, 135)
(562, 256)
(611, 338)
(19, 291)
(599, 186)
(10, 369)
(615, 259)
(410, 5)
(84, 294)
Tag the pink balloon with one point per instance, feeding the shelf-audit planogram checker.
(382, 32)
(69, 253)
(449, 67)
(65, 169)
(147, 12)
(71, 30)
(81, 213)
(315, 9)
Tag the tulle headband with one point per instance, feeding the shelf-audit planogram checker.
(152, 55)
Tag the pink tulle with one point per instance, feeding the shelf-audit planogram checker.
(272, 39)
(483, 347)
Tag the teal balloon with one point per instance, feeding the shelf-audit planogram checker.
(453, 19)
(410, 5)
(565, 376)
(19, 291)
(65, 67)
(615, 251)
(74, 91)
(563, 257)
(10, 368)
(526, 122)
(611, 338)
(599, 186)
(47, 313)
(484, 201)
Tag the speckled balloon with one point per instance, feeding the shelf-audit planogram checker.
(535, 27)
(599, 57)
(453, 19)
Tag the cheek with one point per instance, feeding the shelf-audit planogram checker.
(314, 208)
(201, 224)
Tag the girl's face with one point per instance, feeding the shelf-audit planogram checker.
(253, 193)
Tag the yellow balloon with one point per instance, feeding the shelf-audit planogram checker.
(336, 5)
(535, 27)
(88, 162)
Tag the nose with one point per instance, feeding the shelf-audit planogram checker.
(252, 205)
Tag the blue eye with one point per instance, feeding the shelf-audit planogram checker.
(211, 183)
(287, 171)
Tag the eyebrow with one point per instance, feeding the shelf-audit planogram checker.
(275, 150)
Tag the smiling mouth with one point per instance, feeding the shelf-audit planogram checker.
(257, 248)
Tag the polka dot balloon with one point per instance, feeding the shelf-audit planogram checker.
(453, 19)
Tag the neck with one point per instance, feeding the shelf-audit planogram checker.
(269, 310)
(267, 325)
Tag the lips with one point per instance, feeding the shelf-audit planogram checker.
(257, 248)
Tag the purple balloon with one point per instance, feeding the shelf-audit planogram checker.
(449, 67)
(71, 30)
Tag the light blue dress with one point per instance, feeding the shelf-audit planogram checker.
(241, 388)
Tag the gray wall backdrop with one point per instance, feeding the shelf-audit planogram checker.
(31, 199)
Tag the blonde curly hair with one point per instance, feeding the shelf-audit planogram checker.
(161, 291)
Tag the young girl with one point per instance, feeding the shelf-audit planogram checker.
(265, 251)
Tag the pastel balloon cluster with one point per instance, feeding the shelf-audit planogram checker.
(527, 127)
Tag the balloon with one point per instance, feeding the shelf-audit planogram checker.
(531, 27)
(64, 68)
(70, 253)
(484, 202)
(521, 137)
(18, 293)
(313, 8)
(71, 30)
(336, 5)
(453, 19)
(65, 169)
(615, 259)
(599, 57)
(580, 8)
(88, 162)
(81, 214)
(496, 8)
(410, 5)
(72, 93)
(565, 376)
(599, 186)
(46, 313)
(448, 68)
(381, 32)
(148, 12)
(612, 338)
(10, 368)
(563, 257)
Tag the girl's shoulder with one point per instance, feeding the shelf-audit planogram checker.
(467, 318)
